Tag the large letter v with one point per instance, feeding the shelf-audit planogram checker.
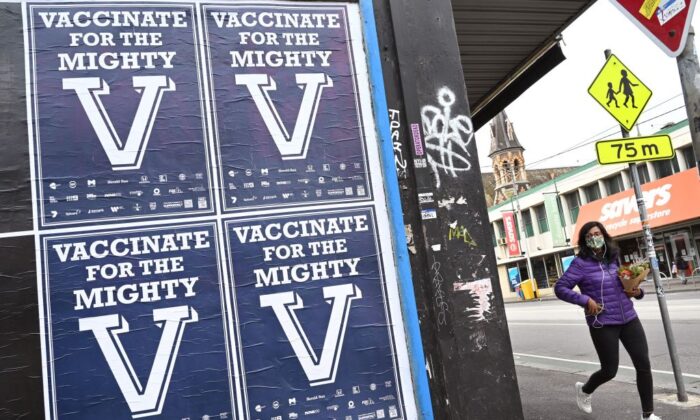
(296, 145)
(149, 401)
(122, 155)
(319, 370)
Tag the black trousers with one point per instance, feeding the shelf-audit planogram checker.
(632, 336)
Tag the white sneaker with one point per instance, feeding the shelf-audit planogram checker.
(652, 417)
(582, 399)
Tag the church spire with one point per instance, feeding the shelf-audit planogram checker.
(507, 159)
(503, 135)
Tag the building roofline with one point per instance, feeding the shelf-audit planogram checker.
(576, 171)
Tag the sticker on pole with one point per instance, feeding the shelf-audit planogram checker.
(639, 149)
(620, 92)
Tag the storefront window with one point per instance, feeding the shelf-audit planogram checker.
(539, 270)
(516, 273)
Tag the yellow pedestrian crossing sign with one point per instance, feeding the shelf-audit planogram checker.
(620, 92)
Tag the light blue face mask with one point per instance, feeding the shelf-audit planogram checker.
(595, 242)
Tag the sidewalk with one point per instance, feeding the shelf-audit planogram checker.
(550, 394)
(669, 286)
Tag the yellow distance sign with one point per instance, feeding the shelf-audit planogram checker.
(634, 149)
(620, 92)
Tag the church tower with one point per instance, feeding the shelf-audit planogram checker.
(507, 159)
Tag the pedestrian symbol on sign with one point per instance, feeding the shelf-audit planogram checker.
(613, 75)
(626, 84)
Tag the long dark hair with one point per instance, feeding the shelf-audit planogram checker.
(584, 251)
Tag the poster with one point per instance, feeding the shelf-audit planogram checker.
(511, 232)
(147, 152)
(312, 308)
(566, 262)
(136, 324)
(288, 117)
(117, 112)
(514, 277)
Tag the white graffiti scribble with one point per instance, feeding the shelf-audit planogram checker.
(399, 160)
(480, 290)
(447, 138)
(442, 308)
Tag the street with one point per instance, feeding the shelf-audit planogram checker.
(553, 335)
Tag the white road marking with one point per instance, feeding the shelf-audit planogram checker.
(586, 362)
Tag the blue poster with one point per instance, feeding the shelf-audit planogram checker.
(136, 326)
(514, 277)
(288, 116)
(566, 262)
(313, 318)
(117, 112)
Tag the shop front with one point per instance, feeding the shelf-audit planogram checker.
(673, 214)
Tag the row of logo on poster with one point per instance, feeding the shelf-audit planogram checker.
(303, 181)
(188, 203)
(333, 192)
(339, 393)
(310, 168)
(145, 179)
(373, 415)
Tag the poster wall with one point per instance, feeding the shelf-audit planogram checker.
(212, 239)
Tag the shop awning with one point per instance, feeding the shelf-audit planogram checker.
(507, 45)
(668, 200)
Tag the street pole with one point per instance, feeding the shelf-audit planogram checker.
(521, 226)
(654, 262)
(689, 71)
(561, 211)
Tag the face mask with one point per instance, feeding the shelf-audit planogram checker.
(595, 242)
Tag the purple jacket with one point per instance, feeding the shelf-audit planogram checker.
(599, 281)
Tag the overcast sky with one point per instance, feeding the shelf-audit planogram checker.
(557, 113)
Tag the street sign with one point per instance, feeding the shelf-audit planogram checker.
(666, 22)
(620, 92)
(632, 149)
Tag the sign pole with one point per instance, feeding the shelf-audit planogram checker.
(654, 262)
(688, 68)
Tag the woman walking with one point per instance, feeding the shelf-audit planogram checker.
(610, 315)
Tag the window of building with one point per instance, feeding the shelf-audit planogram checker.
(643, 173)
(614, 184)
(506, 172)
(665, 168)
(561, 211)
(541, 215)
(689, 157)
(527, 223)
(572, 201)
(592, 192)
(501, 229)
